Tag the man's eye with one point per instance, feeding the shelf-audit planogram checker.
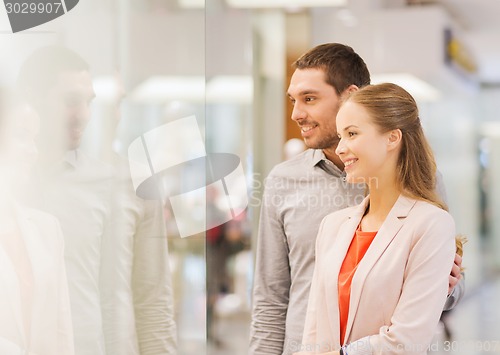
(309, 99)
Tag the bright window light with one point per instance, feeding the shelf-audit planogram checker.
(230, 89)
(419, 89)
(192, 4)
(105, 88)
(285, 3)
(160, 89)
(220, 89)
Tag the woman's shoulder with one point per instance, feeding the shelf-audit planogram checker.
(425, 209)
(429, 216)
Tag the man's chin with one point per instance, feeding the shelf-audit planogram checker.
(313, 144)
(324, 144)
(310, 143)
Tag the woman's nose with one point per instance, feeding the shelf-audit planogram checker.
(340, 148)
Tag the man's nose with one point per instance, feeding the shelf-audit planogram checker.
(298, 113)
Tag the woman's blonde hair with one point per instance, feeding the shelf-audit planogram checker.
(391, 107)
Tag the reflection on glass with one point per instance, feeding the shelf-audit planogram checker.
(115, 244)
(34, 303)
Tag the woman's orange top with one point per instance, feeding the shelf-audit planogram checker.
(357, 250)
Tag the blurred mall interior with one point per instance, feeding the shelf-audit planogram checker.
(228, 63)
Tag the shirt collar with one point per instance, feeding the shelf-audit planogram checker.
(317, 155)
(318, 158)
(72, 158)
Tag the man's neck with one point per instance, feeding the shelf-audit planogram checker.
(334, 158)
(54, 158)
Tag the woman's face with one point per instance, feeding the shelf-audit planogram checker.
(362, 148)
(18, 151)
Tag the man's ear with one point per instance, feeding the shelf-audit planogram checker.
(350, 89)
(394, 138)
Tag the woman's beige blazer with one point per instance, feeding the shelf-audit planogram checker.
(398, 290)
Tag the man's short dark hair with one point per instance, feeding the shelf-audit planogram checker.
(41, 69)
(342, 65)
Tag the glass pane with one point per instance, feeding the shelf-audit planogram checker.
(118, 91)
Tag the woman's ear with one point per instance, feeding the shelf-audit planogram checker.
(394, 138)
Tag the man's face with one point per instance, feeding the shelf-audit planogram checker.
(315, 106)
(67, 108)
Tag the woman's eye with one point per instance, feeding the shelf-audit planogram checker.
(351, 134)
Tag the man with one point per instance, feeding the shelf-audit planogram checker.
(115, 247)
(299, 193)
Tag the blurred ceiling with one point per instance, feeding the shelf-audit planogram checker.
(479, 20)
(481, 24)
(480, 28)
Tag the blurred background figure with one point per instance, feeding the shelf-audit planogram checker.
(34, 303)
(293, 147)
(56, 81)
(223, 242)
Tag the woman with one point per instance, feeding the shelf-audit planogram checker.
(381, 274)
(34, 302)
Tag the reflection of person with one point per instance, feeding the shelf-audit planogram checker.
(138, 306)
(299, 193)
(57, 83)
(35, 314)
(381, 275)
(115, 246)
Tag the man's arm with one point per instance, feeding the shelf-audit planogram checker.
(271, 281)
(152, 285)
(114, 276)
(456, 287)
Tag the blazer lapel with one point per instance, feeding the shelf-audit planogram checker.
(339, 249)
(30, 235)
(10, 275)
(389, 229)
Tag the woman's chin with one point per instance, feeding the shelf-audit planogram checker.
(354, 179)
